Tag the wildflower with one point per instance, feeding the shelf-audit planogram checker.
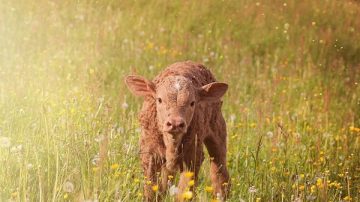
(347, 198)
(187, 195)
(191, 183)
(66, 196)
(155, 188)
(96, 159)
(114, 166)
(68, 187)
(301, 187)
(117, 174)
(269, 134)
(95, 169)
(232, 117)
(313, 189)
(354, 129)
(136, 180)
(170, 177)
(148, 182)
(286, 26)
(14, 194)
(125, 105)
(258, 199)
(16, 149)
(302, 176)
(5, 142)
(29, 166)
(189, 174)
(319, 183)
(252, 189)
(209, 189)
(99, 138)
(173, 190)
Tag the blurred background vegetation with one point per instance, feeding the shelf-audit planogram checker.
(68, 125)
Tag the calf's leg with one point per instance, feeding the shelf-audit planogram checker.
(216, 146)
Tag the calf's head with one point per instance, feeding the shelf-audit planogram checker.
(176, 101)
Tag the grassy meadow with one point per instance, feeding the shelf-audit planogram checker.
(69, 128)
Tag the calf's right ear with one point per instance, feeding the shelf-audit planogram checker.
(140, 86)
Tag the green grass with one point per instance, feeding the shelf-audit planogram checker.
(292, 108)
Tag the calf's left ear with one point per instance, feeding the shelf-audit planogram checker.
(212, 92)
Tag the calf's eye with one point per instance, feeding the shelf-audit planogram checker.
(192, 103)
(159, 100)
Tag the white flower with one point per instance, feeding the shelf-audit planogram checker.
(252, 189)
(151, 67)
(29, 166)
(173, 190)
(5, 142)
(16, 149)
(68, 187)
(270, 134)
(232, 117)
(96, 159)
(125, 105)
(286, 26)
(99, 138)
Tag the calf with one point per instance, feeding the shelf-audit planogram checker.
(181, 111)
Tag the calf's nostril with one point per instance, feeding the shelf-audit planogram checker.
(168, 124)
(182, 125)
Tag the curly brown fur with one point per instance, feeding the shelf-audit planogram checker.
(166, 152)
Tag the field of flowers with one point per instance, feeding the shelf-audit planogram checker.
(69, 128)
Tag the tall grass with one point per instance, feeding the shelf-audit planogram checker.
(292, 108)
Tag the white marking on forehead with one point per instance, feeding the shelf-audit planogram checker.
(177, 85)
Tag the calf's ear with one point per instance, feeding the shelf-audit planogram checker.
(212, 92)
(140, 86)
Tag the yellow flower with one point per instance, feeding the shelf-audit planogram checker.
(189, 174)
(155, 188)
(302, 176)
(258, 199)
(347, 198)
(170, 177)
(114, 166)
(117, 174)
(95, 169)
(319, 183)
(313, 189)
(66, 196)
(148, 182)
(136, 180)
(187, 195)
(301, 187)
(209, 189)
(14, 194)
(191, 183)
